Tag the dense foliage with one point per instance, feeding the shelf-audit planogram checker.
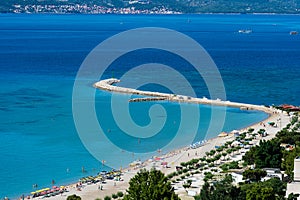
(272, 189)
(267, 154)
(232, 165)
(288, 161)
(289, 137)
(150, 185)
(222, 190)
(254, 175)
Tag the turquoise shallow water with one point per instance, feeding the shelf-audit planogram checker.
(40, 56)
(41, 142)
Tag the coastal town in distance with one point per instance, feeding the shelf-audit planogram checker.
(150, 7)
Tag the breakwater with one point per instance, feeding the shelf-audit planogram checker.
(148, 99)
(108, 85)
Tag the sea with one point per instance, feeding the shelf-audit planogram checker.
(41, 54)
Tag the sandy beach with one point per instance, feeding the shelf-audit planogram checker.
(178, 156)
(173, 159)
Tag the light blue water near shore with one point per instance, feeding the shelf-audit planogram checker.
(40, 55)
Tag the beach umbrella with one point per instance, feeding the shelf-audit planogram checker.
(32, 192)
(223, 134)
(164, 163)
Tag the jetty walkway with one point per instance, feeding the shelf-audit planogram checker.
(108, 85)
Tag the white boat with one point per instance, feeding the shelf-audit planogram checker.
(246, 31)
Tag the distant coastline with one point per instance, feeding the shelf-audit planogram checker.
(150, 7)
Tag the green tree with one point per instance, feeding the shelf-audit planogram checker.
(278, 186)
(293, 196)
(259, 191)
(254, 175)
(212, 152)
(288, 137)
(187, 184)
(249, 157)
(272, 189)
(224, 154)
(261, 132)
(232, 165)
(267, 154)
(222, 190)
(288, 161)
(73, 197)
(208, 176)
(107, 198)
(204, 193)
(220, 149)
(250, 130)
(120, 194)
(150, 185)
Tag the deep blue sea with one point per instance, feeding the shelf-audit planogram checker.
(41, 54)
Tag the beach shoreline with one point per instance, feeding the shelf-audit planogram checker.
(174, 157)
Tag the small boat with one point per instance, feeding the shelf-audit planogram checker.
(245, 31)
(294, 33)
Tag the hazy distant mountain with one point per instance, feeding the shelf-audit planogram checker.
(185, 6)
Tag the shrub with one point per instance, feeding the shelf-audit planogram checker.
(120, 194)
(73, 197)
(114, 196)
(107, 198)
